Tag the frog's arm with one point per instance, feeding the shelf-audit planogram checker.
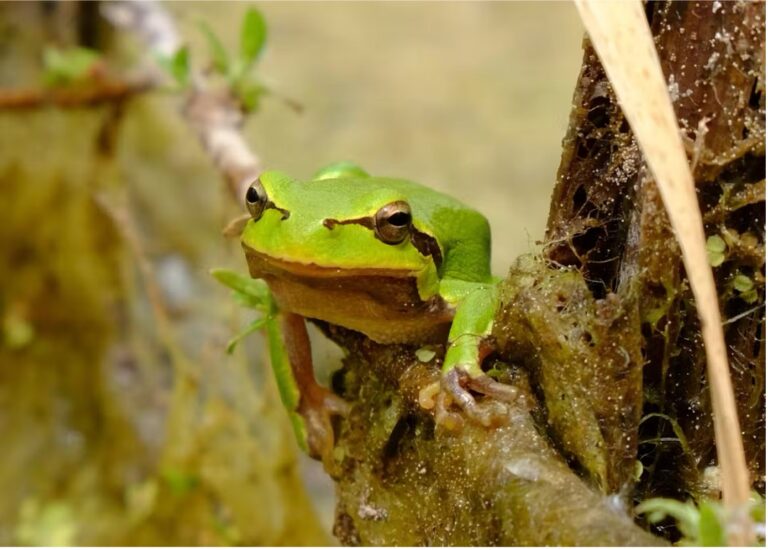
(476, 305)
(466, 283)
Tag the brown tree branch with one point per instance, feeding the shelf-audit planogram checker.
(88, 94)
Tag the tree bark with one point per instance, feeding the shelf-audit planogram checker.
(607, 220)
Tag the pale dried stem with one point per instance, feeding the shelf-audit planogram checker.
(621, 37)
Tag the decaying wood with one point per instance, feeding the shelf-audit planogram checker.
(607, 219)
(619, 32)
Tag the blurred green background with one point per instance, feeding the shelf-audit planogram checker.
(122, 427)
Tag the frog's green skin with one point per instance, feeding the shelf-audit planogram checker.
(317, 246)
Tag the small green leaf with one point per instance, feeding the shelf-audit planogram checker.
(425, 355)
(711, 531)
(252, 327)
(241, 283)
(685, 513)
(177, 65)
(249, 301)
(180, 482)
(742, 283)
(750, 296)
(248, 292)
(180, 66)
(219, 54)
(715, 250)
(638, 471)
(253, 35)
(65, 66)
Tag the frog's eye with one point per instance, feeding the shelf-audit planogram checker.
(256, 199)
(393, 222)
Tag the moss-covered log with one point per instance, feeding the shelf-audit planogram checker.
(401, 481)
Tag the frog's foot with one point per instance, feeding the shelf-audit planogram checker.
(454, 388)
(318, 408)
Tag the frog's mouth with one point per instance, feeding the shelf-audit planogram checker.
(382, 303)
(263, 266)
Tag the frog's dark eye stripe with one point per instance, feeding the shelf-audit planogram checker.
(427, 246)
(395, 222)
(257, 201)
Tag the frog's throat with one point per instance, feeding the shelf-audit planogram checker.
(384, 304)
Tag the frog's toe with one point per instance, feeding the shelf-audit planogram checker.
(455, 389)
(336, 405)
(443, 415)
(486, 385)
(318, 413)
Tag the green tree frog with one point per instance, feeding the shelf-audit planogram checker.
(392, 259)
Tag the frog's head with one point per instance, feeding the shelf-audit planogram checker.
(348, 225)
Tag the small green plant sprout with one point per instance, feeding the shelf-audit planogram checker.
(250, 293)
(715, 250)
(745, 288)
(425, 354)
(705, 524)
(237, 68)
(62, 67)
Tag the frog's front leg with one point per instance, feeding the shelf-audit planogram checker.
(310, 405)
(468, 345)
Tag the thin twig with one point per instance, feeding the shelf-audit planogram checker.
(621, 37)
(213, 114)
(88, 94)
